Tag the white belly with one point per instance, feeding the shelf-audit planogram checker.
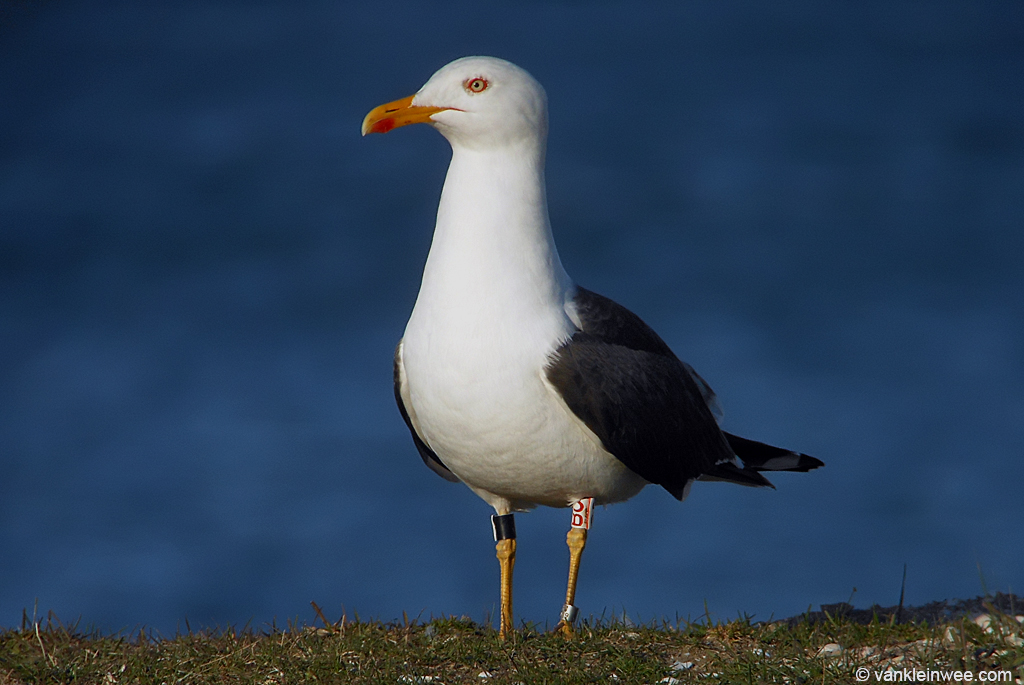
(481, 402)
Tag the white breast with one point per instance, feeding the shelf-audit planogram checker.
(488, 413)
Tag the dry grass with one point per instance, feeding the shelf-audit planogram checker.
(459, 651)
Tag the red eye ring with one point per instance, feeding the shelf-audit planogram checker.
(476, 85)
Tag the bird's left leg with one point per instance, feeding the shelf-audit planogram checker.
(505, 539)
(577, 540)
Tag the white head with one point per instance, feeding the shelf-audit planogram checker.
(476, 103)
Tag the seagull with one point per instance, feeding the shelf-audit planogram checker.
(514, 380)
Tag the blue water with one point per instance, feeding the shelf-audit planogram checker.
(204, 270)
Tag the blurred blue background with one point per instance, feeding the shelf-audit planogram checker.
(204, 271)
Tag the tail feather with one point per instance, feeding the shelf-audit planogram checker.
(758, 456)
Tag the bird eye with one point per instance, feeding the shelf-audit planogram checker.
(476, 85)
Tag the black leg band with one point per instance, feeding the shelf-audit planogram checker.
(504, 527)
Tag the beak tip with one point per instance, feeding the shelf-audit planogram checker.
(378, 126)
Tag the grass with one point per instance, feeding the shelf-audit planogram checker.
(457, 650)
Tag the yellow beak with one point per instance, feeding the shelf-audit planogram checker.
(398, 113)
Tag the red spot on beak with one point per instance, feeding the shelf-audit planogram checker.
(382, 126)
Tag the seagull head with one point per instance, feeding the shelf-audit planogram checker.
(476, 103)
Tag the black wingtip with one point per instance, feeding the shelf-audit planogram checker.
(806, 463)
(758, 456)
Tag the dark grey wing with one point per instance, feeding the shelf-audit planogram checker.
(651, 410)
(429, 457)
(614, 324)
(648, 410)
(706, 392)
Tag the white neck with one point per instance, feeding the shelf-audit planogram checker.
(493, 254)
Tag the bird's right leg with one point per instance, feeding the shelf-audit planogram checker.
(505, 537)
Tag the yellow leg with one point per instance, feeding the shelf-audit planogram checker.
(577, 540)
(507, 558)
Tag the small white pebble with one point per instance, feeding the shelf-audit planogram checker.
(831, 649)
(866, 652)
(1020, 619)
(1015, 640)
(681, 665)
(613, 677)
(984, 621)
(670, 681)
(484, 675)
(950, 636)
